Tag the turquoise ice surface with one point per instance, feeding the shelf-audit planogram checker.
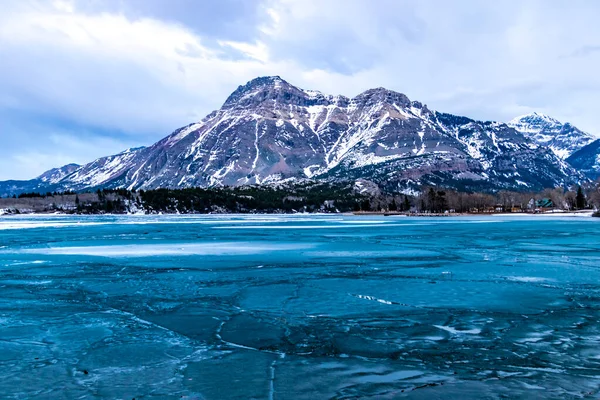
(299, 307)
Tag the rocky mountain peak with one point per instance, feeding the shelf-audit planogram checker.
(382, 96)
(535, 121)
(271, 89)
(562, 139)
(264, 82)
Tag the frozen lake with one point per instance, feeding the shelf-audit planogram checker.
(299, 307)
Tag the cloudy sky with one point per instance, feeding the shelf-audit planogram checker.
(81, 79)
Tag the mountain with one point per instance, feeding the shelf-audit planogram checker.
(46, 182)
(587, 160)
(270, 131)
(55, 175)
(562, 139)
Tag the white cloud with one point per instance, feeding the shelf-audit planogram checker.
(140, 76)
(257, 51)
(105, 70)
(483, 59)
(134, 75)
(31, 147)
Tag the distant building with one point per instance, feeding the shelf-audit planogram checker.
(544, 204)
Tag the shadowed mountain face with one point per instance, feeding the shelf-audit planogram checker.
(587, 160)
(271, 131)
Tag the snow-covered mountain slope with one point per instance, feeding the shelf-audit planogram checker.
(587, 160)
(562, 139)
(43, 183)
(57, 174)
(271, 131)
(454, 151)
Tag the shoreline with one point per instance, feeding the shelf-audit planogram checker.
(585, 213)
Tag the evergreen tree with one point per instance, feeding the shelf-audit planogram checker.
(406, 203)
(393, 206)
(580, 199)
(431, 200)
(366, 205)
(440, 201)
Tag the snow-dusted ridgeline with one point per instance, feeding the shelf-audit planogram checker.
(269, 131)
(562, 139)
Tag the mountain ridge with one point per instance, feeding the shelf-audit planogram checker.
(269, 131)
(563, 139)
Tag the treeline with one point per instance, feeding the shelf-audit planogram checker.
(106, 201)
(34, 195)
(438, 200)
(310, 197)
(298, 198)
(305, 197)
(401, 203)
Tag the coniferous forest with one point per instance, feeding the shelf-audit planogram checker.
(306, 197)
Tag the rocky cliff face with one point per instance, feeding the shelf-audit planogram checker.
(271, 131)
